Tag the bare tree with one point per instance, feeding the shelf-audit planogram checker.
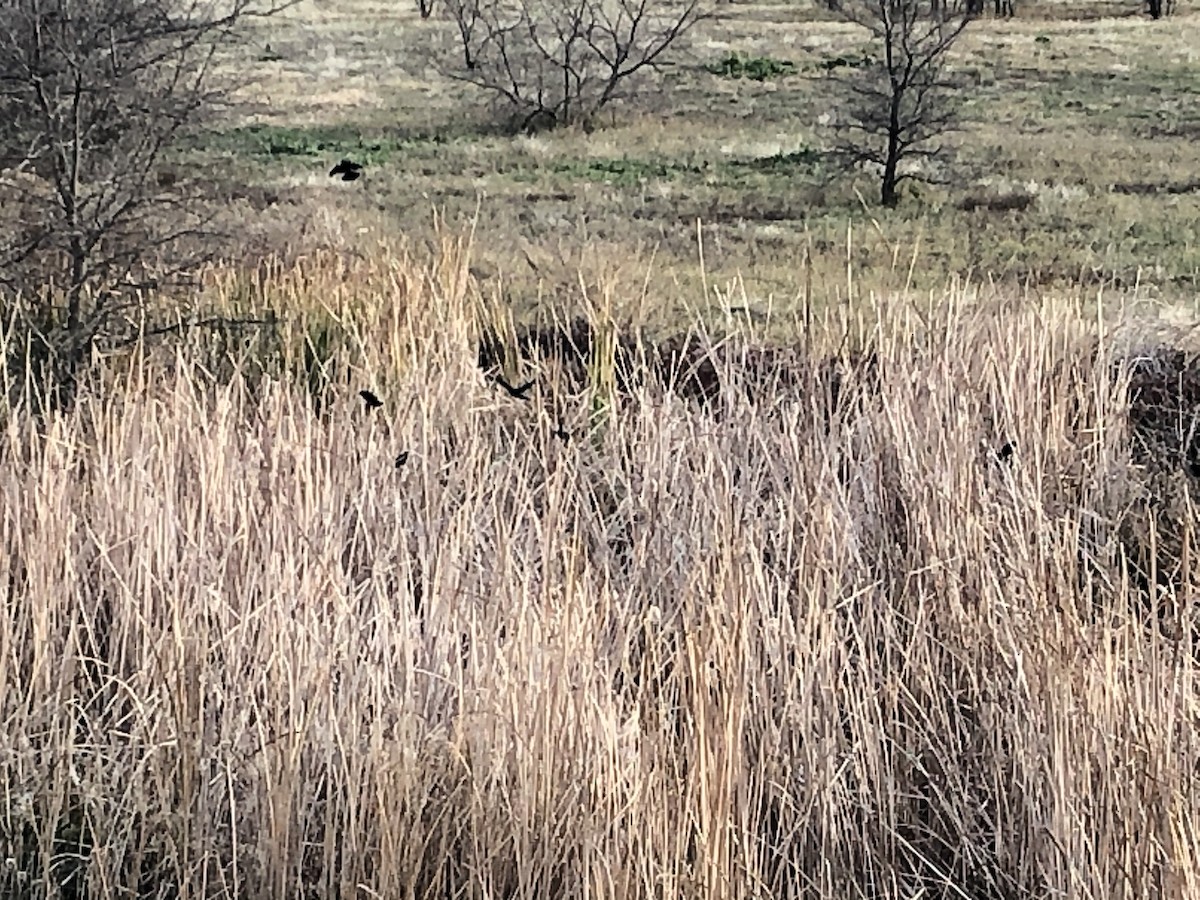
(899, 103)
(467, 16)
(94, 97)
(1002, 8)
(558, 62)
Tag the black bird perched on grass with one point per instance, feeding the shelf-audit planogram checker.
(401, 459)
(370, 399)
(347, 169)
(1005, 453)
(520, 393)
(562, 434)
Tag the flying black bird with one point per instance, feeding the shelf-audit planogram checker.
(347, 169)
(1005, 453)
(520, 393)
(370, 399)
(401, 459)
(562, 434)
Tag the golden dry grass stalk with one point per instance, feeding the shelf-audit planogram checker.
(786, 645)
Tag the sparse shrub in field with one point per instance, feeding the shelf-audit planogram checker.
(559, 62)
(755, 68)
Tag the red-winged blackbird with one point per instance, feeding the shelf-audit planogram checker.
(562, 434)
(521, 393)
(1005, 453)
(401, 459)
(370, 399)
(347, 169)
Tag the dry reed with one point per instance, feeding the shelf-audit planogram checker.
(775, 650)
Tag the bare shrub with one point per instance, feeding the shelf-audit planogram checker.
(899, 104)
(94, 98)
(558, 62)
(1009, 201)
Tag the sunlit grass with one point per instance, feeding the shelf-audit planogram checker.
(770, 648)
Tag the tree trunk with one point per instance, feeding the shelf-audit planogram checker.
(888, 195)
(891, 163)
(1156, 9)
(79, 257)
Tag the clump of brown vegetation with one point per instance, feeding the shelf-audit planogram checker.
(689, 365)
(1014, 201)
(1159, 532)
(792, 649)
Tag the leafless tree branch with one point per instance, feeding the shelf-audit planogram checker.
(558, 62)
(94, 97)
(900, 101)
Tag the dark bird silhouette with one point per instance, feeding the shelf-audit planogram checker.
(401, 459)
(370, 399)
(562, 434)
(1005, 453)
(520, 393)
(347, 169)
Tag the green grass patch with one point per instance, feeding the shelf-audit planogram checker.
(805, 159)
(701, 181)
(633, 172)
(274, 142)
(754, 68)
(846, 61)
(626, 172)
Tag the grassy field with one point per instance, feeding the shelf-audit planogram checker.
(898, 603)
(1075, 167)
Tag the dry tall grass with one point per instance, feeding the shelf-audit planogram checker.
(768, 650)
